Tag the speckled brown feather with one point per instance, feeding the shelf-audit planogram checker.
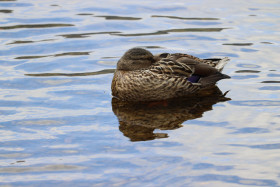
(145, 85)
(166, 78)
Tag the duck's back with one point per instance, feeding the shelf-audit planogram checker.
(145, 85)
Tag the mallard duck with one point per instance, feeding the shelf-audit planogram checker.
(142, 76)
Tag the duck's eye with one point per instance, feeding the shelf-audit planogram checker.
(163, 55)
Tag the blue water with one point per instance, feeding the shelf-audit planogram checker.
(60, 127)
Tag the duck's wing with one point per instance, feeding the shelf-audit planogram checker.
(173, 67)
(217, 63)
(202, 67)
(191, 57)
(206, 71)
(183, 65)
(200, 72)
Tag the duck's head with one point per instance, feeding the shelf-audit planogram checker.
(135, 59)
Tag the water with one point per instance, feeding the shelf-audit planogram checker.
(58, 126)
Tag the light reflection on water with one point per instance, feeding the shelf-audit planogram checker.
(58, 125)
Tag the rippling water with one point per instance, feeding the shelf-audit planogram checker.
(59, 125)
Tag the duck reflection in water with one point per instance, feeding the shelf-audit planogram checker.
(139, 120)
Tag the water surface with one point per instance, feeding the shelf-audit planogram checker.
(60, 126)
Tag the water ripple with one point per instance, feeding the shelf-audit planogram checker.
(105, 71)
(118, 18)
(28, 41)
(236, 180)
(55, 55)
(36, 26)
(183, 18)
(7, 4)
(45, 168)
(84, 35)
(270, 82)
(57, 126)
(160, 32)
(239, 44)
(247, 71)
(253, 103)
(6, 11)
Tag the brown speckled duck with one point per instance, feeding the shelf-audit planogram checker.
(142, 76)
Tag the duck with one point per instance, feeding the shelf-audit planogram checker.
(141, 76)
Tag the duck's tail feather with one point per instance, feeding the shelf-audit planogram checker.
(212, 79)
(221, 64)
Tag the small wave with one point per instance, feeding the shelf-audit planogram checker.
(174, 30)
(6, 11)
(104, 71)
(247, 71)
(36, 26)
(254, 103)
(239, 44)
(184, 18)
(55, 55)
(85, 14)
(84, 35)
(118, 18)
(28, 41)
(270, 82)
